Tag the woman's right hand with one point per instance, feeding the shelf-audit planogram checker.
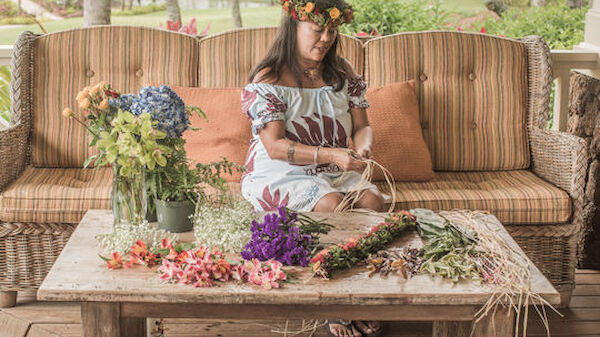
(347, 160)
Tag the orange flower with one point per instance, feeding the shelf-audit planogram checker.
(84, 103)
(115, 262)
(139, 248)
(67, 112)
(82, 94)
(103, 105)
(335, 13)
(286, 6)
(309, 7)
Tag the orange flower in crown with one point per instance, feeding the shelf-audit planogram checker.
(304, 10)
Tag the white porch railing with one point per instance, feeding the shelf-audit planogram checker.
(5, 52)
(563, 61)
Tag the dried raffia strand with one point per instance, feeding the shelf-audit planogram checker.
(511, 275)
(308, 327)
(358, 190)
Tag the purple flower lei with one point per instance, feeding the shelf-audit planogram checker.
(277, 238)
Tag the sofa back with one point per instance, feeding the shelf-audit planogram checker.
(66, 62)
(472, 91)
(472, 88)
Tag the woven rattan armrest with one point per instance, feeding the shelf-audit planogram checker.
(13, 153)
(560, 158)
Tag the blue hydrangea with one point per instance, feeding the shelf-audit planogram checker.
(124, 102)
(163, 105)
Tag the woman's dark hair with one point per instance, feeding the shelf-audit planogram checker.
(283, 53)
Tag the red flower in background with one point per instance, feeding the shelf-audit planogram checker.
(483, 30)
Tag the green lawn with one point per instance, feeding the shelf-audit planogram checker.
(220, 20)
(463, 7)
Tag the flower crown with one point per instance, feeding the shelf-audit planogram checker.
(307, 11)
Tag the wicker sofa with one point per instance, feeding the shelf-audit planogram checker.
(483, 105)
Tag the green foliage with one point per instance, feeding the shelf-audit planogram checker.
(5, 93)
(177, 181)
(132, 143)
(561, 26)
(448, 251)
(17, 20)
(394, 16)
(140, 10)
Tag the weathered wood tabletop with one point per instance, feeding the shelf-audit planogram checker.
(126, 296)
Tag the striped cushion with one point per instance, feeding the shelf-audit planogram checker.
(514, 197)
(472, 91)
(55, 195)
(126, 57)
(226, 59)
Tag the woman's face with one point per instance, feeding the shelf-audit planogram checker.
(314, 41)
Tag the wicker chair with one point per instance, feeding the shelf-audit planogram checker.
(29, 248)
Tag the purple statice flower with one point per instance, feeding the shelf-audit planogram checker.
(276, 238)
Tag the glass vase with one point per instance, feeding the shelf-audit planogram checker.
(129, 196)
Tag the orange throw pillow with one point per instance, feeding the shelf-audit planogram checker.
(227, 132)
(398, 141)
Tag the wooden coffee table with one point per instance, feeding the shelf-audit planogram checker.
(116, 302)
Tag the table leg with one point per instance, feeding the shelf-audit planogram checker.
(101, 319)
(500, 324)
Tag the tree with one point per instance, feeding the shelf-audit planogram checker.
(235, 11)
(96, 12)
(173, 11)
(19, 8)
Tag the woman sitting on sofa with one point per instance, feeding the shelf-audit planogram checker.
(305, 102)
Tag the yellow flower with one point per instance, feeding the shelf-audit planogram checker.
(286, 6)
(303, 17)
(67, 112)
(82, 94)
(103, 105)
(309, 7)
(334, 13)
(84, 103)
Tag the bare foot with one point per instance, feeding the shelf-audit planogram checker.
(368, 327)
(341, 330)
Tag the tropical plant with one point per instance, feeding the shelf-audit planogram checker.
(394, 16)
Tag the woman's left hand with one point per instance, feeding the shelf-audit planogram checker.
(364, 152)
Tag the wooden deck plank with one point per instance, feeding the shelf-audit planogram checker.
(56, 330)
(587, 289)
(587, 279)
(47, 312)
(11, 326)
(585, 302)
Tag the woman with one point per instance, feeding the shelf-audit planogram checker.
(304, 103)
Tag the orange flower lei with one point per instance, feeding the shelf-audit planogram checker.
(304, 10)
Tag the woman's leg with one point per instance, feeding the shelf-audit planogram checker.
(329, 202)
(372, 200)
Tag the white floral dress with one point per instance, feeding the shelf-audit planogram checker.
(312, 116)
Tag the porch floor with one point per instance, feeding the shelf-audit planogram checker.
(31, 318)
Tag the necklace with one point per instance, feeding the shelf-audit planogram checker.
(312, 73)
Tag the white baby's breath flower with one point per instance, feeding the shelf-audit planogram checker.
(227, 228)
(125, 235)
